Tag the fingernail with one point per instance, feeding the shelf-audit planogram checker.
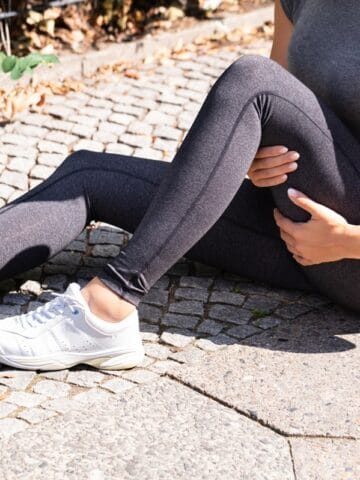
(283, 149)
(293, 193)
(295, 156)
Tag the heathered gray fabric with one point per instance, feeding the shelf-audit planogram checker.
(118, 189)
(254, 102)
(324, 53)
(199, 205)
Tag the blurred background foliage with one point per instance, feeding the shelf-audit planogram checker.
(78, 26)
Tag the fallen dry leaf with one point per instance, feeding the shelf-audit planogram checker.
(32, 95)
(132, 74)
(7, 375)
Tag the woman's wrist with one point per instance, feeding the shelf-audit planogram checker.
(352, 241)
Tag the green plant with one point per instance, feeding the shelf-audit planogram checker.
(259, 313)
(14, 65)
(18, 66)
(237, 289)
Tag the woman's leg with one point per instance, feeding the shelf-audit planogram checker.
(69, 329)
(236, 242)
(255, 101)
(43, 221)
(118, 189)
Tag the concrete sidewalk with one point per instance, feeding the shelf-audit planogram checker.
(240, 381)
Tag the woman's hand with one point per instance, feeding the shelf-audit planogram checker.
(271, 166)
(321, 239)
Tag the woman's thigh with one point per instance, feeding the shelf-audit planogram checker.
(291, 114)
(328, 172)
(245, 240)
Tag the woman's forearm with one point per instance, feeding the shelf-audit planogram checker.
(352, 241)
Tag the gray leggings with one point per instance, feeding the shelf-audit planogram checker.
(200, 205)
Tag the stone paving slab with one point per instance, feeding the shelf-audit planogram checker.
(301, 378)
(159, 431)
(328, 459)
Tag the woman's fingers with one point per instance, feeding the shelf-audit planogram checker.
(290, 243)
(263, 163)
(288, 239)
(303, 261)
(265, 173)
(272, 151)
(271, 166)
(272, 176)
(270, 182)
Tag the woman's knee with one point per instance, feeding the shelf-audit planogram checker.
(252, 66)
(248, 74)
(78, 156)
(72, 164)
(77, 160)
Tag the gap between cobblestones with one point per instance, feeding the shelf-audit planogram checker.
(292, 459)
(254, 418)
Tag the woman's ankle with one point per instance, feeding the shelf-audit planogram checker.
(104, 303)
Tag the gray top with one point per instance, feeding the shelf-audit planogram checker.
(324, 53)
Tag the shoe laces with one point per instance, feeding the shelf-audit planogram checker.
(49, 310)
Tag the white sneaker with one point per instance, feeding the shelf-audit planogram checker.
(65, 332)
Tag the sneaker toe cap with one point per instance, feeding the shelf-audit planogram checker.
(9, 344)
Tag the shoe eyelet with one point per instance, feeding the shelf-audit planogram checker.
(76, 312)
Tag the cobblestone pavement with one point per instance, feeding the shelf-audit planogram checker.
(273, 374)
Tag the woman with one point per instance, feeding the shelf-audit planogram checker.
(260, 117)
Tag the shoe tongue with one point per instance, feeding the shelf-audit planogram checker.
(93, 320)
(74, 290)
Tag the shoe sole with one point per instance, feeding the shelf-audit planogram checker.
(115, 362)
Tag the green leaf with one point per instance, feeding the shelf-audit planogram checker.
(28, 71)
(16, 73)
(50, 58)
(2, 56)
(22, 63)
(8, 63)
(34, 59)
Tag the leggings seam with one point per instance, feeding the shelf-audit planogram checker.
(239, 117)
(211, 174)
(337, 144)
